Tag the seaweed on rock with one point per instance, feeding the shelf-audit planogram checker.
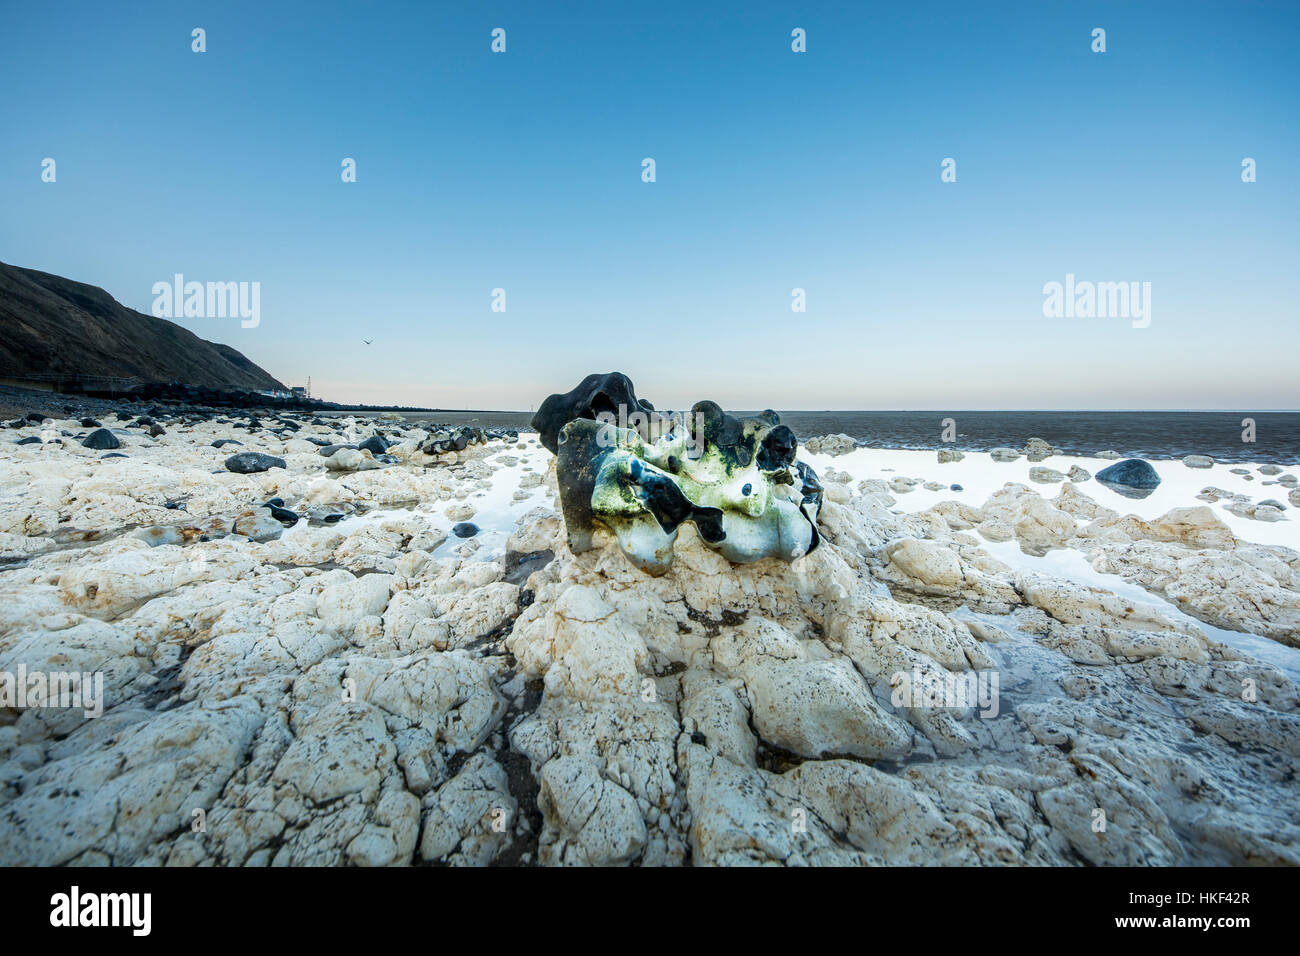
(643, 473)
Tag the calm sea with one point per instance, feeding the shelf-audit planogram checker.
(1132, 434)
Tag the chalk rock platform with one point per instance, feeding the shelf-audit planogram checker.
(363, 687)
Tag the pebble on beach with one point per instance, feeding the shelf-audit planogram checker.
(101, 438)
(1132, 473)
(251, 462)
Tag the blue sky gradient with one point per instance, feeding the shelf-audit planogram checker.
(775, 170)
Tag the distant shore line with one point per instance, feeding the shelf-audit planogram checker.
(1155, 435)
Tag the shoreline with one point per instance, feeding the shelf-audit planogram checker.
(16, 402)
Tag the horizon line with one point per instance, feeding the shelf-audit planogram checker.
(1145, 411)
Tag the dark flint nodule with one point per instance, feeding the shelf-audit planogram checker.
(101, 438)
(251, 462)
(1131, 478)
(645, 490)
(594, 395)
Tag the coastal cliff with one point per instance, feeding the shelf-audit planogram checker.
(56, 326)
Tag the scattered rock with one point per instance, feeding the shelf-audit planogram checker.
(251, 462)
(1036, 449)
(1130, 473)
(351, 459)
(833, 445)
(101, 438)
(258, 525)
(460, 512)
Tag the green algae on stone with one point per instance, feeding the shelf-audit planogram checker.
(735, 479)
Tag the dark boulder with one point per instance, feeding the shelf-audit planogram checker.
(101, 438)
(610, 393)
(465, 529)
(251, 462)
(280, 513)
(374, 444)
(1131, 473)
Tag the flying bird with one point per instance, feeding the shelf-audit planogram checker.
(367, 341)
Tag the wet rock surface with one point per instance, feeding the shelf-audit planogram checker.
(1132, 473)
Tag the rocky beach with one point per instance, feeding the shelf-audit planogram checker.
(370, 641)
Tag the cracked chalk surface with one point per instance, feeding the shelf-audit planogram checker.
(374, 690)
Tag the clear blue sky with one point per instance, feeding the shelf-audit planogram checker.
(775, 170)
